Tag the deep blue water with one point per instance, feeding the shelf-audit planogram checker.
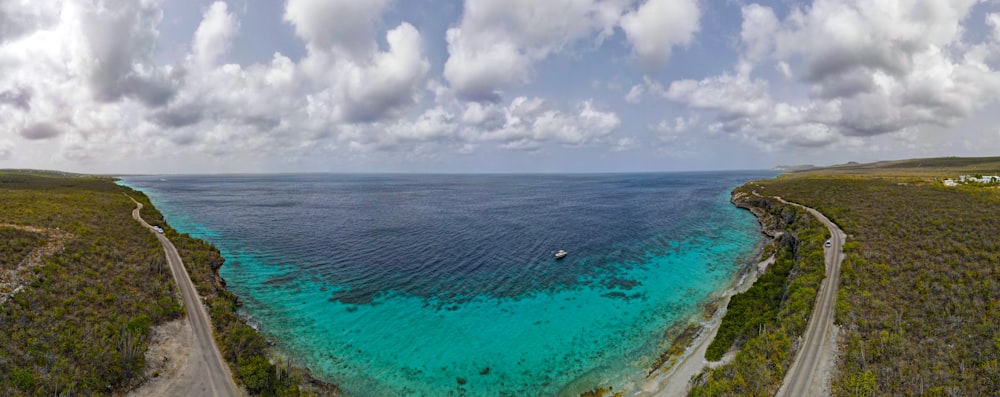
(402, 284)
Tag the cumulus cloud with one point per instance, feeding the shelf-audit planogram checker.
(436, 125)
(346, 27)
(214, 35)
(734, 96)
(757, 31)
(635, 94)
(365, 84)
(657, 26)
(870, 68)
(530, 122)
(497, 41)
(525, 123)
(120, 37)
(82, 75)
(625, 144)
(81, 81)
(318, 98)
(65, 75)
(386, 85)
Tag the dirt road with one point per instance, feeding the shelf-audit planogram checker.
(205, 373)
(810, 371)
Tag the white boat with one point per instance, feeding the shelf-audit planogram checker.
(561, 254)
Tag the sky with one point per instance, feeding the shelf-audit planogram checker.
(149, 86)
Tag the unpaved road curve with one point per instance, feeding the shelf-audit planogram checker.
(205, 373)
(809, 374)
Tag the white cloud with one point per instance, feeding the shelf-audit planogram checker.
(120, 37)
(757, 32)
(436, 125)
(365, 84)
(82, 81)
(993, 20)
(733, 95)
(497, 41)
(24, 16)
(82, 78)
(345, 27)
(214, 35)
(483, 115)
(77, 73)
(870, 68)
(625, 144)
(657, 26)
(680, 125)
(635, 94)
(529, 122)
(386, 85)
(523, 124)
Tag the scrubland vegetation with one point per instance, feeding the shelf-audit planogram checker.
(82, 325)
(919, 300)
(15, 244)
(765, 321)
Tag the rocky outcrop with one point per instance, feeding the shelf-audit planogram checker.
(215, 261)
(774, 216)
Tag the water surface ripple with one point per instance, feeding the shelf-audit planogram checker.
(436, 285)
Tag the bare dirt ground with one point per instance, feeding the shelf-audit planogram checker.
(168, 353)
(203, 372)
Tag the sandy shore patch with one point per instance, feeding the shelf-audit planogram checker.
(676, 380)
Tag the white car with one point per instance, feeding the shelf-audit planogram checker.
(828, 244)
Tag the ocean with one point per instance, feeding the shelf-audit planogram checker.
(438, 285)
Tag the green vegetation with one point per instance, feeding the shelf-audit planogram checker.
(919, 300)
(763, 321)
(82, 325)
(941, 166)
(15, 244)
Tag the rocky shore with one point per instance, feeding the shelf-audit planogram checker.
(674, 369)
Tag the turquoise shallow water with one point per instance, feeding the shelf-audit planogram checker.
(437, 318)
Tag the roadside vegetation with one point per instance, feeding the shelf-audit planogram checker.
(919, 301)
(81, 324)
(765, 322)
